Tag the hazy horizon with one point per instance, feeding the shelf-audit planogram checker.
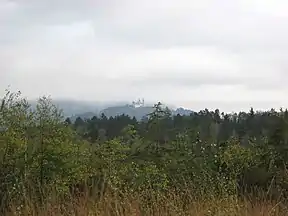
(227, 107)
(221, 54)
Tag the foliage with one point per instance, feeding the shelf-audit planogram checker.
(212, 154)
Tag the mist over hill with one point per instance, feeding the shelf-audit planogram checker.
(79, 108)
(86, 110)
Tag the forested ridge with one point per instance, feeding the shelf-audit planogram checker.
(208, 155)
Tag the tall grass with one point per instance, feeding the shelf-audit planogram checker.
(146, 203)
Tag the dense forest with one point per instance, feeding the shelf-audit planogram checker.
(208, 155)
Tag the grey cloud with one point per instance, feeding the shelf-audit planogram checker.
(54, 11)
(209, 27)
(258, 40)
(203, 78)
(29, 15)
(229, 28)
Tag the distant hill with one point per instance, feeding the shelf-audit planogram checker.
(182, 112)
(86, 115)
(137, 112)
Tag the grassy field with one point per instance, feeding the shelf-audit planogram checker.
(147, 204)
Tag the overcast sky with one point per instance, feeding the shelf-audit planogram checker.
(210, 53)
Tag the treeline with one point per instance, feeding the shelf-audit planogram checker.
(212, 153)
(209, 126)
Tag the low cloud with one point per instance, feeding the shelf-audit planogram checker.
(104, 50)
